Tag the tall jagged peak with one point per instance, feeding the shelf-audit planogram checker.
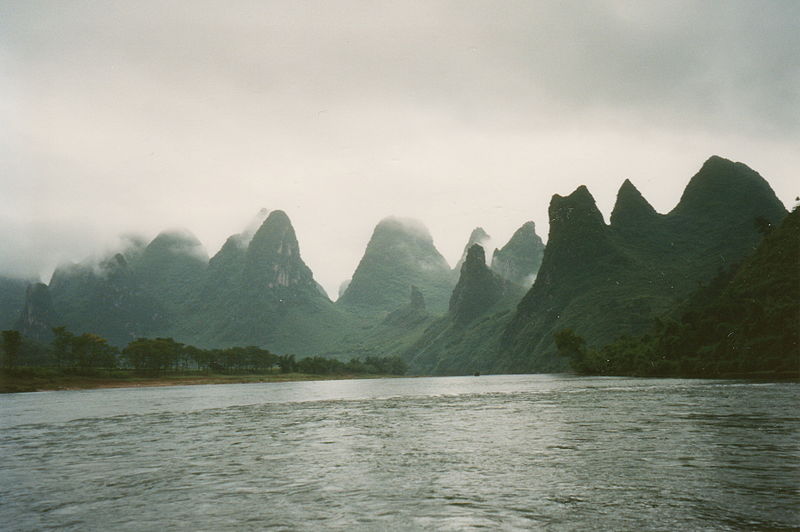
(576, 212)
(177, 242)
(38, 315)
(519, 260)
(478, 287)
(399, 254)
(227, 264)
(722, 185)
(578, 238)
(276, 234)
(244, 238)
(273, 256)
(631, 207)
(475, 260)
(478, 236)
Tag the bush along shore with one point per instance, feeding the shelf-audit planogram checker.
(89, 361)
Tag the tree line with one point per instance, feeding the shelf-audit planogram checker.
(156, 356)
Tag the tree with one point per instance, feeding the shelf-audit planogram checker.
(62, 346)
(93, 351)
(12, 341)
(287, 363)
(154, 355)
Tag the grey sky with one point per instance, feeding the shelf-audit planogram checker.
(142, 116)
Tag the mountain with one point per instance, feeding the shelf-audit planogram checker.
(460, 342)
(171, 268)
(12, 299)
(519, 260)
(223, 275)
(255, 291)
(262, 293)
(272, 262)
(581, 267)
(413, 312)
(598, 280)
(603, 281)
(400, 254)
(632, 211)
(106, 299)
(38, 317)
(478, 236)
(478, 288)
(760, 309)
(389, 336)
(743, 323)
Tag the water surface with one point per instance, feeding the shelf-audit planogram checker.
(492, 452)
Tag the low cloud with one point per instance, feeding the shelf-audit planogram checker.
(136, 116)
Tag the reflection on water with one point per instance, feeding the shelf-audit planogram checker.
(495, 452)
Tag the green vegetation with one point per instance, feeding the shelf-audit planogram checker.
(81, 352)
(12, 341)
(170, 268)
(107, 299)
(400, 254)
(744, 323)
(520, 259)
(87, 360)
(601, 281)
(12, 297)
(463, 341)
(604, 281)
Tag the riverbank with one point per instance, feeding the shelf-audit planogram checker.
(45, 379)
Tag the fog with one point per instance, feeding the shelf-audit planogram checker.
(136, 117)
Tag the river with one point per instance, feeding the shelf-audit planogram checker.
(514, 452)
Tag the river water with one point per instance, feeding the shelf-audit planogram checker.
(551, 452)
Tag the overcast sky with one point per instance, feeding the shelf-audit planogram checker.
(137, 116)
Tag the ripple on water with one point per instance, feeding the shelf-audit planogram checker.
(505, 452)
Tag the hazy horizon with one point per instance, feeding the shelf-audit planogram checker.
(138, 118)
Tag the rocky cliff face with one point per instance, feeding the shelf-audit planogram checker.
(272, 262)
(465, 339)
(478, 236)
(399, 255)
(519, 260)
(631, 210)
(478, 288)
(38, 316)
(604, 281)
(599, 280)
(259, 291)
(410, 315)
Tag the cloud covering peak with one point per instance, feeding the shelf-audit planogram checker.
(128, 116)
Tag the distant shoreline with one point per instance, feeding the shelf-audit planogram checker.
(25, 380)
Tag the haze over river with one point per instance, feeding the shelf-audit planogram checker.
(457, 453)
